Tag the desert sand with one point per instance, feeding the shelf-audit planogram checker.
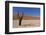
(26, 23)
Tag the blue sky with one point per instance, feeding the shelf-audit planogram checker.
(27, 11)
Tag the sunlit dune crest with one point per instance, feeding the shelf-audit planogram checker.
(27, 17)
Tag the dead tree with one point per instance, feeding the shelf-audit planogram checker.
(20, 19)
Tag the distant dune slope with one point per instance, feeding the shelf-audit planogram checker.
(27, 17)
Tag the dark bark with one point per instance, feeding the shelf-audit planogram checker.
(20, 19)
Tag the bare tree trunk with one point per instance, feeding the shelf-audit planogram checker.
(20, 19)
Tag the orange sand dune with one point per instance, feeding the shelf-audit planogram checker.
(26, 17)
